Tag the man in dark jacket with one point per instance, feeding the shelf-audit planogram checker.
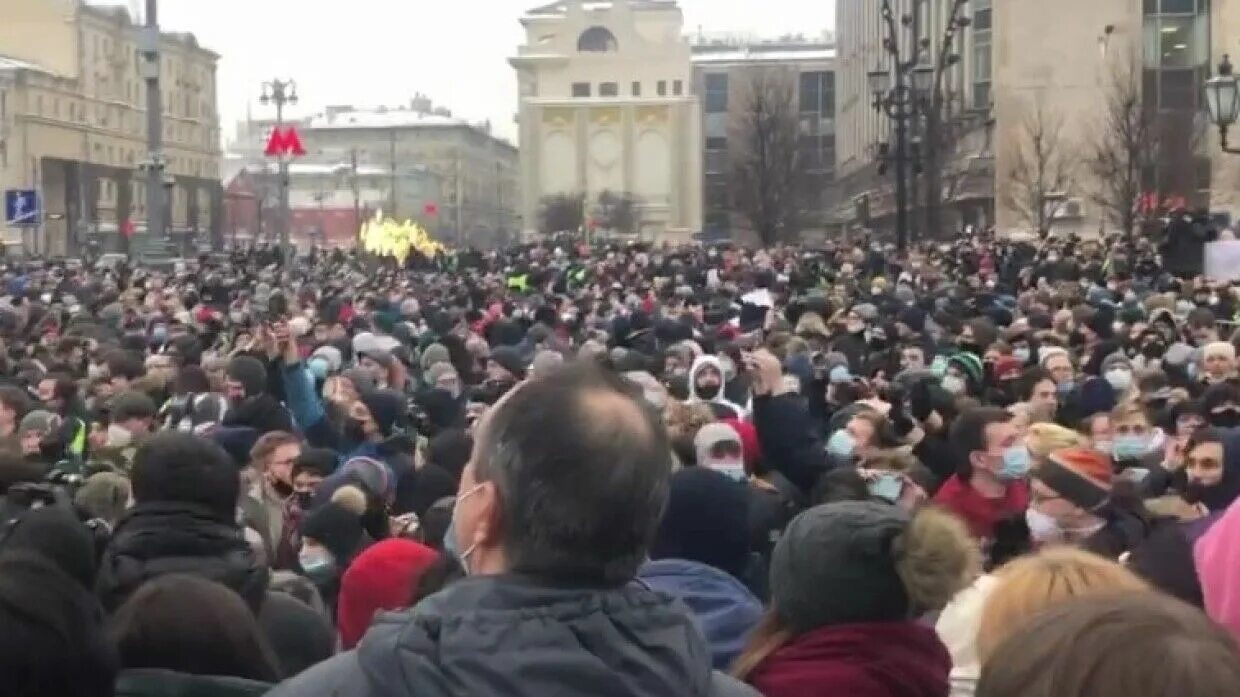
(551, 532)
(185, 493)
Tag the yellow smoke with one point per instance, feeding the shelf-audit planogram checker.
(388, 238)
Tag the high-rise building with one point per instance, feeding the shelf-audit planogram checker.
(606, 105)
(73, 125)
(968, 167)
(722, 67)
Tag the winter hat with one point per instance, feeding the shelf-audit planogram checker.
(509, 358)
(437, 371)
(912, 317)
(381, 356)
(332, 355)
(712, 435)
(381, 578)
(706, 520)
(970, 364)
(1219, 348)
(362, 380)
(435, 353)
(250, 373)
(39, 421)
(237, 441)
(866, 311)
(365, 342)
(1046, 353)
(862, 561)
(1081, 475)
(750, 444)
(336, 528)
(450, 450)
(1101, 323)
(57, 535)
(387, 407)
(104, 495)
(1178, 353)
(1116, 361)
(374, 476)
(1096, 396)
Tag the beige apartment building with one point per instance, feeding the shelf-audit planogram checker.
(73, 125)
(866, 197)
(723, 65)
(607, 105)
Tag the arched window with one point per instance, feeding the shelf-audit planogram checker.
(597, 40)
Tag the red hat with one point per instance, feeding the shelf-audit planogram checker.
(750, 447)
(381, 578)
(1082, 476)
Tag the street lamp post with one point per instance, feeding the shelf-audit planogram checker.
(1223, 102)
(281, 92)
(153, 165)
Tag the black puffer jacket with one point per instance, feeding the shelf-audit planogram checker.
(165, 538)
(489, 636)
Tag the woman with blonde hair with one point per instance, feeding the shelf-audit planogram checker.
(849, 582)
(1030, 585)
(1042, 439)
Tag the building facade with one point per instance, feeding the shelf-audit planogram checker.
(866, 191)
(607, 105)
(73, 126)
(722, 67)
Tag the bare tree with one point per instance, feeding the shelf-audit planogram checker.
(766, 167)
(1123, 148)
(1042, 172)
(617, 212)
(561, 213)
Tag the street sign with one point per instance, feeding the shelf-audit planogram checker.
(285, 141)
(21, 207)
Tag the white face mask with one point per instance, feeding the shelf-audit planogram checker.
(1043, 529)
(734, 470)
(954, 384)
(1120, 379)
(118, 437)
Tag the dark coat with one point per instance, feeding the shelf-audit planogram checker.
(791, 441)
(503, 635)
(724, 608)
(147, 682)
(164, 538)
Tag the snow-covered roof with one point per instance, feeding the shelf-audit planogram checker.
(7, 63)
(782, 55)
(392, 118)
(559, 9)
(312, 169)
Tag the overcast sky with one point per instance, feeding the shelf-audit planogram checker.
(370, 52)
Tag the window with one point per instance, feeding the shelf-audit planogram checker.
(597, 40)
(637, 89)
(609, 89)
(982, 15)
(716, 97)
(982, 56)
(716, 155)
(678, 88)
(661, 88)
(817, 93)
(581, 89)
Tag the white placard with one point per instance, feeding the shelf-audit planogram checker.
(1223, 260)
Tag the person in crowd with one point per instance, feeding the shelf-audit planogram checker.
(54, 641)
(272, 460)
(131, 416)
(331, 538)
(15, 403)
(181, 634)
(1137, 644)
(848, 582)
(576, 537)
(708, 383)
(992, 465)
(104, 496)
(382, 578)
(701, 555)
(1029, 585)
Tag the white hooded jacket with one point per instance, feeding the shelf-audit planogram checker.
(719, 402)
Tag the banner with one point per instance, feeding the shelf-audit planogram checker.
(1223, 260)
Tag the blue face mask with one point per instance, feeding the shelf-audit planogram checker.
(886, 486)
(1065, 387)
(842, 444)
(1130, 447)
(318, 368)
(1015, 463)
(840, 374)
(159, 333)
(1021, 353)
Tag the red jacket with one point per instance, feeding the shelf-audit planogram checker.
(981, 513)
(880, 659)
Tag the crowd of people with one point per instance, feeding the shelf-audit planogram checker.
(984, 467)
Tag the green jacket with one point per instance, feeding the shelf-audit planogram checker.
(147, 682)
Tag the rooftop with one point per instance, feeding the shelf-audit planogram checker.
(757, 55)
(559, 9)
(383, 118)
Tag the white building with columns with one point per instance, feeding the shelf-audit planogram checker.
(606, 104)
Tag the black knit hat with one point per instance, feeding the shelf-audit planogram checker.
(836, 564)
(509, 358)
(336, 528)
(249, 372)
(706, 521)
(58, 536)
(388, 409)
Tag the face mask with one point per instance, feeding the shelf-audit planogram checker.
(842, 444)
(1043, 529)
(450, 543)
(856, 327)
(118, 437)
(1021, 353)
(159, 333)
(1225, 419)
(1130, 447)
(1105, 447)
(954, 384)
(886, 486)
(354, 430)
(94, 372)
(732, 470)
(1015, 464)
(1120, 379)
(1064, 388)
(304, 499)
(236, 317)
(1191, 369)
(316, 564)
(318, 368)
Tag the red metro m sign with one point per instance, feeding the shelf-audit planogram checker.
(284, 142)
